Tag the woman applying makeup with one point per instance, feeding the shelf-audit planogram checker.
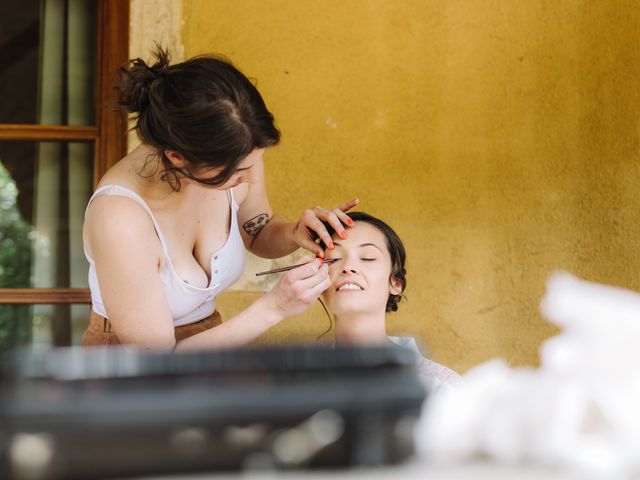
(166, 230)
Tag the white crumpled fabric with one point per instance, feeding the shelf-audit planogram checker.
(579, 411)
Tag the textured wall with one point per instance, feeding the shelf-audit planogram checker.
(154, 22)
(499, 137)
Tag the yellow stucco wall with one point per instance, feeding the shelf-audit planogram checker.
(499, 138)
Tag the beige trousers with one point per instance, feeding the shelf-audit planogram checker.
(100, 331)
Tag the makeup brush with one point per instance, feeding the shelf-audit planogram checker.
(291, 267)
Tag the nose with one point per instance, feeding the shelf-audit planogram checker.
(348, 269)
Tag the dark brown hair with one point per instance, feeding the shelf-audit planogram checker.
(396, 252)
(204, 109)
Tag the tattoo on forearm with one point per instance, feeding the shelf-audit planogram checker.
(254, 226)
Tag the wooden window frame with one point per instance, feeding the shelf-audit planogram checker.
(108, 135)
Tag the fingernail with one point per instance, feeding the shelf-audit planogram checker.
(350, 222)
(343, 234)
(331, 246)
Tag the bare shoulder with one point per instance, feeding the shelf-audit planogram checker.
(115, 221)
(109, 211)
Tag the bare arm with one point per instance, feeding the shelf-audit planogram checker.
(268, 236)
(290, 296)
(264, 233)
(120, 237)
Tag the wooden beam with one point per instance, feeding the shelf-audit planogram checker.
(113, 52)
(50, 133)
(44, 295)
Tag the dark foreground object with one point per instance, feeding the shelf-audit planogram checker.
(106, 413)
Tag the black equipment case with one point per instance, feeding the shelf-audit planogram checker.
(77, 413)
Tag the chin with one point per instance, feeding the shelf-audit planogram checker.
(346, 307)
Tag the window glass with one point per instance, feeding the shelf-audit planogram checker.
(41, 326)
(15, 327)
(48, 52)
(44, 189)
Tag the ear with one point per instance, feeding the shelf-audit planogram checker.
(175, 158)
(395, 286)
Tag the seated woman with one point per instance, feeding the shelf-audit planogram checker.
(367, 280)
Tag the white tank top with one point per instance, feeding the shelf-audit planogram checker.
(188, 303)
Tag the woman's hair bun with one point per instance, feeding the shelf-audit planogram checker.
(202, 108)
(136, 82)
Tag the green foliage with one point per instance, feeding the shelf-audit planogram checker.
(15, 265)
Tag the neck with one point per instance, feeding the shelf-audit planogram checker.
(145, 160)
(361, 329)
(147, 168)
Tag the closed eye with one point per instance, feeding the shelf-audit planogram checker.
(368, 259)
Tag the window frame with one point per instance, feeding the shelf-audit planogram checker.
(108, 134)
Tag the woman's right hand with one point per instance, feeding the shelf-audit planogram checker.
(311, 226)
(291, 295)
(298, 288)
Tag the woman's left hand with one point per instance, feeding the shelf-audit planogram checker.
(310, 227)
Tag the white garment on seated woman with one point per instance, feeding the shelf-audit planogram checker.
(437, 376)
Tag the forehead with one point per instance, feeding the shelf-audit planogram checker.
(363, 232)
